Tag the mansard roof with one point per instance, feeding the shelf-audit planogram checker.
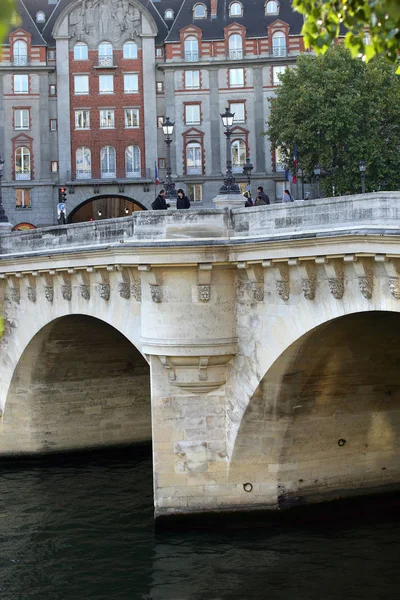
(27, 22)
(254, 18)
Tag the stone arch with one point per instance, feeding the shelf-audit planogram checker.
(324, 420)
(107, 203)
(79, 383)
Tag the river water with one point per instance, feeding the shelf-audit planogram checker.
(80, 528)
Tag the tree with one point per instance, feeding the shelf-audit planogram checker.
(379, 19)
(339, 111)
(7, 17)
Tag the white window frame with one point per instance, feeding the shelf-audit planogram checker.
(54, 166)
(23, 204)
(195, 84)
(272, 7)
(84, 173)
(233, 107)
(83, 81)
(40, 17)
(21, 119)
(107, 118)
(192, 114)
(279, 44)
(235, 44)
(129, 89)
(276, 71)
(236, 5)
(80, 46)
(83, 116)
(131, 45)
(21, 84)
(195, 192)
(24, 172)
(195, 157)
(53, 122)
(104, 84)
(168, 14)
(199, 11)
(132, 160)
(131, 111)
(191, 49)
(236, 78)
(105, 52)
(20, 52)
(108, 156)
(237, 165)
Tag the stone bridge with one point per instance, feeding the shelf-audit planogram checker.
(257, 348)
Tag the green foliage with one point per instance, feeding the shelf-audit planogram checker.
(339, 111)
(381, 18)
(8, 17)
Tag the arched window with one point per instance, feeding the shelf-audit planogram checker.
(20, 53)
(81, 51)
(22, 163)
(279, 44)
(236, 10)
(238, 153)
(199, 11)
(107, 163)
(83, 163)
(40, 17)
(169, 14)
(132, 161)
(235, 46)
(191, 49)
(130, 50)
(272, 7)
(194, 163)
(105, 54)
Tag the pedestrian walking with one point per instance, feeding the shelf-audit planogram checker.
(182, 200)
(287, 196)
(160, 203)
(264, 197)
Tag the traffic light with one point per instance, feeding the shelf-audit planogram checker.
(62, 194)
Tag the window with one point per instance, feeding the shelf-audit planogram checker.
(81, 51)
(81, 84)
(272, 7)
(22, 198)
(107, 119)
(105, 54)
(160, 121)
(22, 163)
(162, 163)
(106, 84)
(21, 84)
(132, 161)
(238, 151)
(40, 17)
(20, 53)
(192, 114)
(54, 166)
(199, 11)
(130, 50)
(236, 77)
(195, 192)
(107, 162)
(159, 52)
(192, 80)
(279, 44)
(276, 71)
(237, 108)
(131, 83)
(235, 9)
(169, 14)
(160, 86)
(235, 46)
(21, 118)
(52, 55)
(83, 163)
(52, 90)
(131, 118)
(82, 119)
(191, 49)
(193, 159)
(53, 124)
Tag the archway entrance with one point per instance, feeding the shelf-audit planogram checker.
(79, 384)
(104, 207)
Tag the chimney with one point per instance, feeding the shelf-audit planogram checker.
(214, 9)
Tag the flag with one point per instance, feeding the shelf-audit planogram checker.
(294, 176)
(156, 173)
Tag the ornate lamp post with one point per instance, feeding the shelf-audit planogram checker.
(317, 173)
(247, 169)
(3, 216)
(230, 186)
(363, 167)
(168, 128)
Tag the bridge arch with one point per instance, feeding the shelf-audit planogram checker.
(104, 206)
(79, 383)
(324, 420)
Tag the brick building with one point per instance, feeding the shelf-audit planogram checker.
(85, 86)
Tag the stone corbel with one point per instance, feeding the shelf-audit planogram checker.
(392, 268)
(48, 285)
(124, 283)
(64, 278)
(30, 280)
(307, 272)
(196, 374)
(15, 289)
(334, 270)
(102, 279)
(255, 276)
(170, 369)
(204, 282)
(282, 281)
(83, 277)
(364, 272)
(155, 282)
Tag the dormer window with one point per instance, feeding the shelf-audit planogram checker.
(236, 10)
(199, 11)
(272, 7)
(169, 14)
(40, 17)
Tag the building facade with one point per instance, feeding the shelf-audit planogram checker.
(86, 85)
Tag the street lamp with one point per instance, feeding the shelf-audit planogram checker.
(230, 186)
(317, 173)
(247, 169)
(168, 128)
(3, 216)
(363, 167)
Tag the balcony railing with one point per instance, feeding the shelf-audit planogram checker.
(84, 174)
(191, 56)
(20, 60)
(105, 60)
(23, 176)
(237, 168)
(196, 170)
(133, 174)
(235, 54)
(279, 51)
(108, 174)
